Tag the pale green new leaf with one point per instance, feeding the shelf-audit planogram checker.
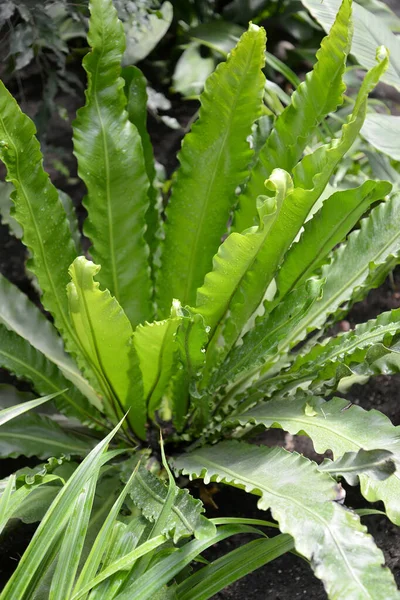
(38, 210)
(24, 361)
(109, 151)
(370, 31)
(342, 428)
(37, 435)
(19, 314)
(328, 227)
(213, 161)
(6, 414)
(302, 500)
(377, 464)
(184, 518)
(51, 527)
(314, 99)
(105, 337)
(383, 132)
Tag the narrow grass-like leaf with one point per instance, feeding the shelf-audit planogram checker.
(314, 99)
(328, 227)
(36, 435)
(24, 361)
(54, 521)
(109, 151)
(208, 581)
(302, 500)
(6, 414)
(19, 314)
(213, 161)
(340, 427)
(38, 210)
(105, 336)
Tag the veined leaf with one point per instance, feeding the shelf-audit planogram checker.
(213, 161)
(136, 93)
(361, 264)
(377, 464)
(261, 343)
(18, 314)
(154, 345)
(184, 519)
(329, 226)
(369, 32)
(105, 336)
(24, 361)
(6, 414)
(109, 151)
(302, 500)
(38, 210)
(342, 428)
(51, 527)
(36, 435)
(382, 132)
(314, 99)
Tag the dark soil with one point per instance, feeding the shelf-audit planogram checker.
(288, 577)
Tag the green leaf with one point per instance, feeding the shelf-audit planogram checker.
(38, 210)
(382, 132)
(377, 464)
(105, 336)
(51, 527)
(136, 93)
(342, 428)
(5, 209)
(314, 99)
(230, 567)
(109, 151)
(18, 314)
(37, 435)
(361, 264)
(6, 414)
(213, 161)
(261, 344)
(302, 500)
(24, 361)
(369, 32)
(69, 208)
(184, 519)
(328, 227)
(191, 71)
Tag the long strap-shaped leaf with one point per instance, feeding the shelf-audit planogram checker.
(109, 151)
(24, 361)
(6, 414)
(18, 314)
(38, 210)
(105, 338)
(314, 99)
(213, 161)
(336, 426)
(302, 500)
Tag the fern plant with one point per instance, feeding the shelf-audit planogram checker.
(208, 322)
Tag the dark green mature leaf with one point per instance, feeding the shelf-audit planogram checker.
(314, 99)
(377, 464)
(36, 435)
(136, 93)
(105, 337)
(184, 519)
(302, 500)
(109, 151)
(214, 159)
(18, 314)
(24, 361)
(369, 32)
(342, 428)
(230, 567)
(38, 210)
(328, 227)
